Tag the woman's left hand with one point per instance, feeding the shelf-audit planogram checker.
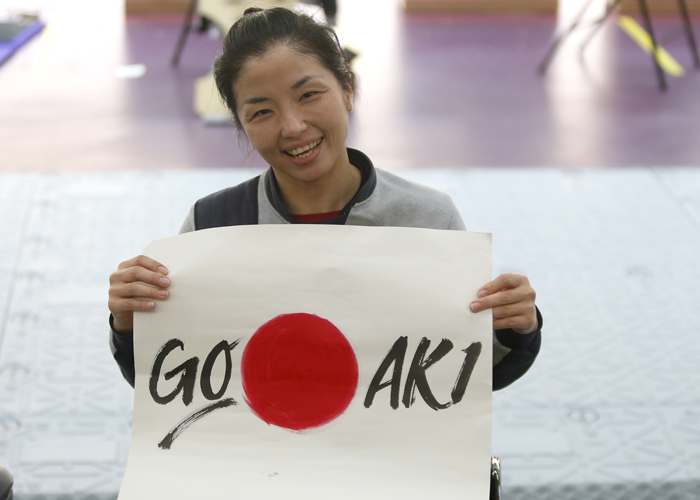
(513, 302)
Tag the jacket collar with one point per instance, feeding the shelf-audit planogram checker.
(368, 183)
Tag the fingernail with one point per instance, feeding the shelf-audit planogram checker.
(164, 281)
(150, 304)
(476, 306)
(482, 293)
(163, 270)
(163, 293)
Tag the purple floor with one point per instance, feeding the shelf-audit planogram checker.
(437, 90)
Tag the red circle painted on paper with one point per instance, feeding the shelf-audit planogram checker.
(299, 372)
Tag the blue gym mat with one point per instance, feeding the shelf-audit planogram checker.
(9, 47)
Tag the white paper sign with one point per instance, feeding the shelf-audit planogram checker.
(313, 363)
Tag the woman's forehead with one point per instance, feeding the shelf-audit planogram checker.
(281, 67)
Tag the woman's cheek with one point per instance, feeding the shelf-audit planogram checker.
(256, 135)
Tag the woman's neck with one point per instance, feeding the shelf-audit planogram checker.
(327, 194)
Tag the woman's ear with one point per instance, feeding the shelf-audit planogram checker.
(349, 98)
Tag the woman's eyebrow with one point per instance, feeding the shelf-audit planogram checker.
(256, 100)
(304, 80)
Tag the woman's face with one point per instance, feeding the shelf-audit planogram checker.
(295, 114)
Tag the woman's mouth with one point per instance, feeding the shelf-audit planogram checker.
(304, 152)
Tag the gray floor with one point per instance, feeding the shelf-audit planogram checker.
(611, 410)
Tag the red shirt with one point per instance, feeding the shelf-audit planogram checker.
(314, 218)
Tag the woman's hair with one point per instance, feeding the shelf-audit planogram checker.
(261, 30)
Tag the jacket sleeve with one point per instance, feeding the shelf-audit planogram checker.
(122, 347)
(514, 354)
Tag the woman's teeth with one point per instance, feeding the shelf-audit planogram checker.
(304, 152)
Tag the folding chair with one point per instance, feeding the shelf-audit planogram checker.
(612, 6)
(220, 13)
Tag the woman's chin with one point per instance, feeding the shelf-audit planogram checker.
(302, 174)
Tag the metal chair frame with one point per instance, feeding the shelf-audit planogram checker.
(186, 28)
(495, 493)
(611, 7)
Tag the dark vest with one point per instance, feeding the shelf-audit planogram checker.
(234, 206)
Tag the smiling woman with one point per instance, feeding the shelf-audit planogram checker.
(289, 86)
(295, 114)
(290, 89)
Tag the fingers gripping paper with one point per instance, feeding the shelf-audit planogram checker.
(314, 362)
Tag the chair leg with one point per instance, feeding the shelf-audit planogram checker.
(683, 7)
(647, 21)
(609, 9)
(561, 37)
(186, 27)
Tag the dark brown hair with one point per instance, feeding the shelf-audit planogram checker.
(261, 30)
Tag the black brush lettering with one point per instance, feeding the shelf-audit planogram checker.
(417, 379)
(473, 352)
(167, 441)
(205, 380)
(187, 380)
(395, 356)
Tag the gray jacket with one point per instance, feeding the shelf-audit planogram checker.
(384, 199)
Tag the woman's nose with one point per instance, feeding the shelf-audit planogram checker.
(293, 124)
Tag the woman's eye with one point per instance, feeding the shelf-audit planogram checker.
(261, 112)
(308, 94)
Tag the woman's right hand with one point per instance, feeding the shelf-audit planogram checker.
(130, 290)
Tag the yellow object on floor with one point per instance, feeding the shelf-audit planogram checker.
(208, 104)
(639, 35)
